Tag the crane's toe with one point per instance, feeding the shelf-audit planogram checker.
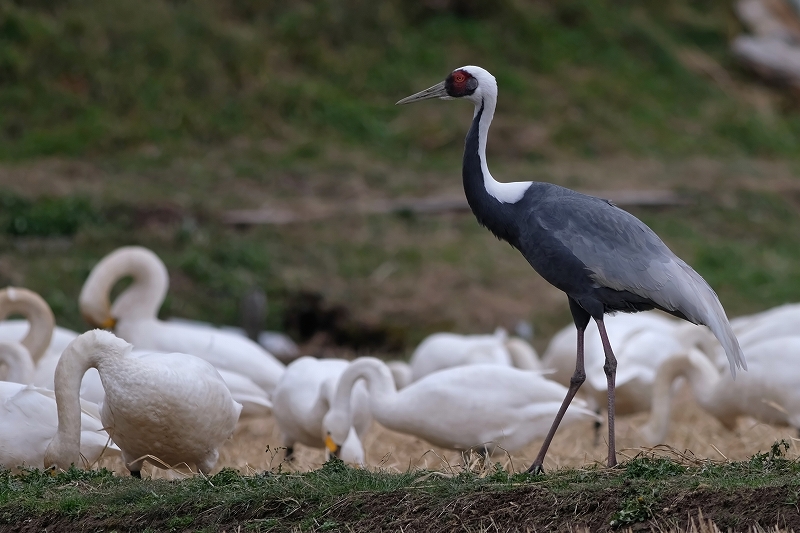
(536, 469)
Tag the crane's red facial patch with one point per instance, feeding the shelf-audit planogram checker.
(460, 83)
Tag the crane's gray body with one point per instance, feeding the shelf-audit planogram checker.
(602, 257)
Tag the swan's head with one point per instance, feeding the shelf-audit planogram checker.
(335, 428)
(95, 306)
(352, 450)
(470, 83)
(60, 456)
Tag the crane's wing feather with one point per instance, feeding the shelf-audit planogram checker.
(622, 253)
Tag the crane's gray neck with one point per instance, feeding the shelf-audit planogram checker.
(489, 199)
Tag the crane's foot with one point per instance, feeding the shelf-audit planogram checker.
(136, 473)
(536, 469)
(612, 462)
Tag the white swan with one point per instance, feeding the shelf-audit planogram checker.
(769, 391)
(174, 407)
(43, 340)
(474, 406)
(446, 350)
(134, 318)
(29, 420)
(303, 397)
(28, 416)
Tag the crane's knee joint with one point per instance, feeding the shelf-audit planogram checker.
(610, 367)
(577, 378)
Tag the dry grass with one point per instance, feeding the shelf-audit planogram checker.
(693, 434)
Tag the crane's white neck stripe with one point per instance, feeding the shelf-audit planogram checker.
(505, 193)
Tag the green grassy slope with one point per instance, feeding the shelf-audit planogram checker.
(596, 77)
(163, 114)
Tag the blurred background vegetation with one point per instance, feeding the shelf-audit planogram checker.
(141, 122)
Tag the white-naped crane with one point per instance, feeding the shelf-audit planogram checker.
(602, 257)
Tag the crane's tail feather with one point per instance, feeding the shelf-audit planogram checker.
(705, 308)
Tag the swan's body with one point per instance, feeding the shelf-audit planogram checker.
(474, 406)
(303, 397)
(446, 350)
(401, 372)
(174, 407)
(255, 402)
(29, 420)
(278, 344)
(769, 391)
(133, 316)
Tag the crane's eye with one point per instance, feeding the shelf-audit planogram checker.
(458, 77)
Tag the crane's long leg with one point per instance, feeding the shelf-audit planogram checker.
(610, 369)
(575, 383)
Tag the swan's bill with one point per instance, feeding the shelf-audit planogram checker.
(332, 446)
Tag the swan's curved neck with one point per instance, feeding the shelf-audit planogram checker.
(380, 383)
(64, 449)
(522, 355)
(19, 362)
(40, 318)
(142, 299)
(702, 377)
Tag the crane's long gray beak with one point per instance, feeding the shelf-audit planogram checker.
(437, 91)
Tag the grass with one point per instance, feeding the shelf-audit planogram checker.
(408, 274)
(582, 78)
(646, 489)
(163, 114)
